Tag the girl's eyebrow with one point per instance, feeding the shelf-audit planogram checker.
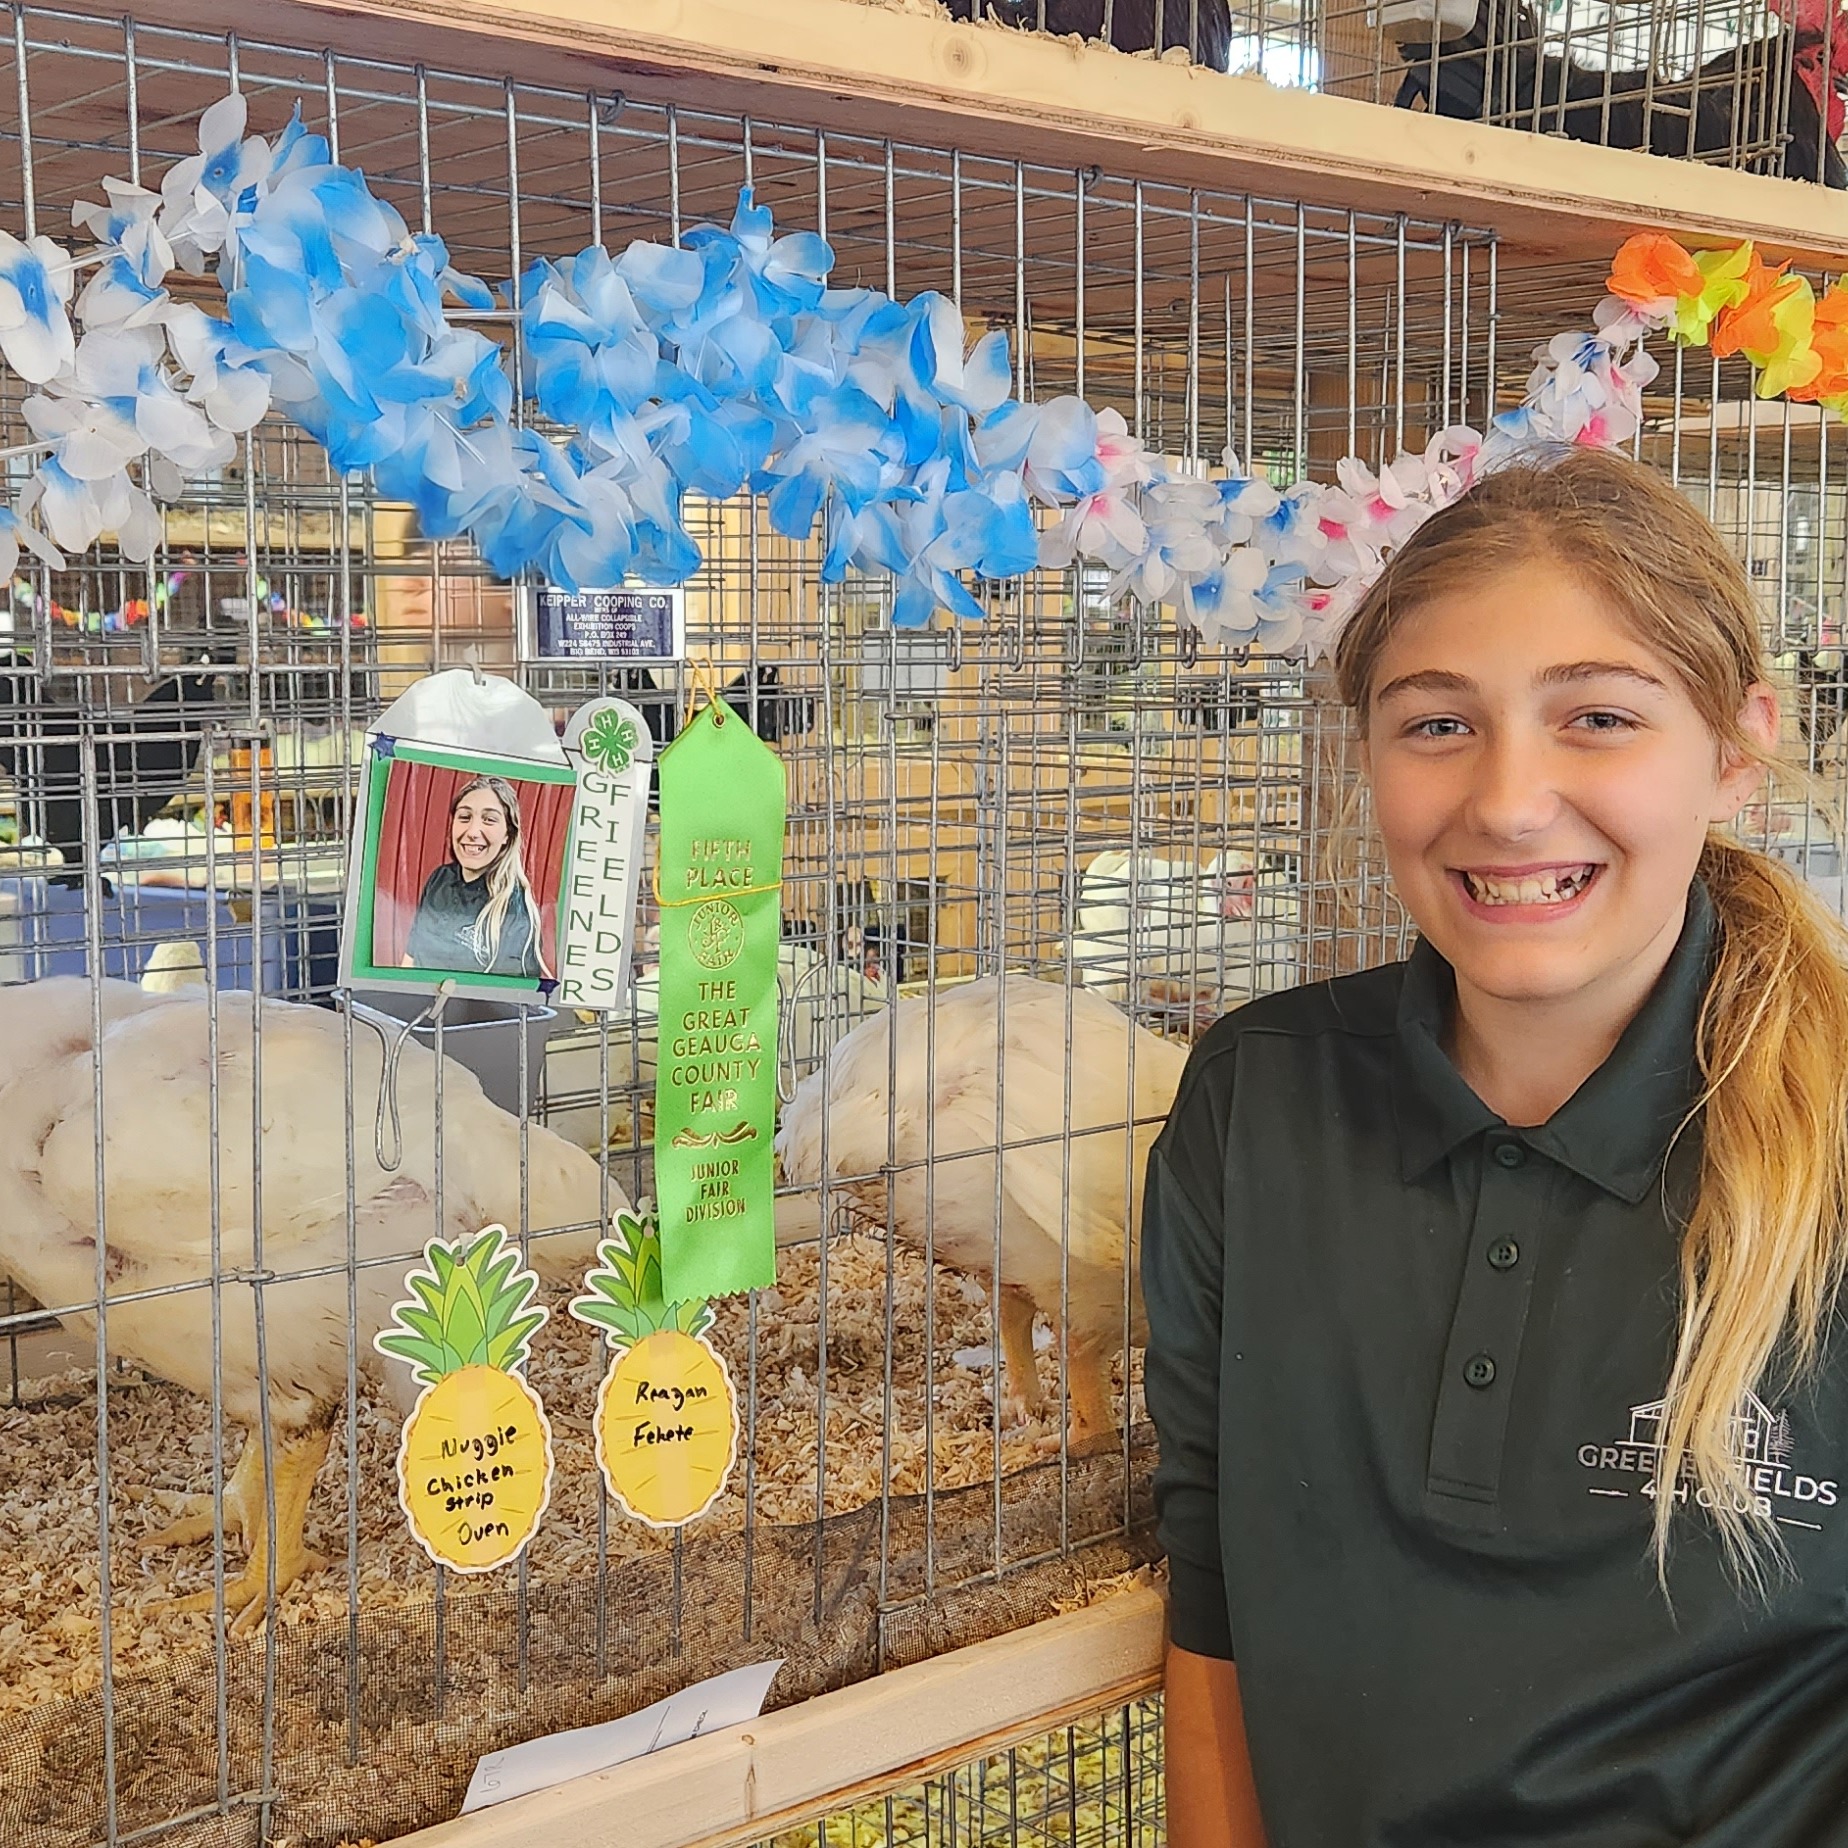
(1427, 680)
(1569, 672)
(1565, 673)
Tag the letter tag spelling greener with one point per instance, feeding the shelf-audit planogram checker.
(723, 797)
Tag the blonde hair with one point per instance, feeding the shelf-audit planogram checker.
(1763, 1248)
(506, 877)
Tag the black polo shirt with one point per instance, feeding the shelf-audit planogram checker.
(1407, 1363)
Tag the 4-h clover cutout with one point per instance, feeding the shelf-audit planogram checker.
(609, 741)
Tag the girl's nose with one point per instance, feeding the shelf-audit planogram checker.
(1512, 796)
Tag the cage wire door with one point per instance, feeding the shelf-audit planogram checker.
(943, 1431)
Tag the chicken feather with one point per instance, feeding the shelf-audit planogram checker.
(991, 1074)
(159, 1085)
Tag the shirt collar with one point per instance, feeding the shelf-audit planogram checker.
(1616, 1128)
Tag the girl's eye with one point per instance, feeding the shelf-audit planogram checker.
(1438, 728)
(1604, 722)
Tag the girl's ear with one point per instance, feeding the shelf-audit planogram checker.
(1742, 773)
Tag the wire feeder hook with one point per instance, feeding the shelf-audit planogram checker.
(393, 1044)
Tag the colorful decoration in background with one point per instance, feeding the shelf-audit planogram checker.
(729, 363)
(667, 1417)
(475, 1458)
(135, 611)
(1730, 302)
(719, 882)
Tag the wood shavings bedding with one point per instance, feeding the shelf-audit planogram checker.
(159, 1453)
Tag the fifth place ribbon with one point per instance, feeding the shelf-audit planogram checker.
(723, 798)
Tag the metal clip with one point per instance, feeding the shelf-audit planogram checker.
(388, 1076)
(1190, 645)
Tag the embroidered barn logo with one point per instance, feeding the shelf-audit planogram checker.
(1762, 1444)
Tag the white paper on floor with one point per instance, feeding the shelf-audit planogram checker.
(724, 1700)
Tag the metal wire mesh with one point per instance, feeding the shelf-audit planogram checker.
(951, 792)
(1095, 1784)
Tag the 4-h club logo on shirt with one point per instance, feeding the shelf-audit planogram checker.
(1762, 1444)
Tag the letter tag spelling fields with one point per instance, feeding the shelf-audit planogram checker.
(723, 797)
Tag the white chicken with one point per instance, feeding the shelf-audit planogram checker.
(989, 1084)
(815, 1006)
(1191, 939)
(156, 1139)
(174, 967)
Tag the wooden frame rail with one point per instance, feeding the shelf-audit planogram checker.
(874, 70)
(748, 1782)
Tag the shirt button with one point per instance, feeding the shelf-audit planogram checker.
(1479, 1371)
(1510, 1154)
(1504, 1254)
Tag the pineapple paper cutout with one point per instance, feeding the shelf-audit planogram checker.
(667, 1419)
(475, 1460)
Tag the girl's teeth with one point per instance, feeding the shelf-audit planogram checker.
(1541, 889)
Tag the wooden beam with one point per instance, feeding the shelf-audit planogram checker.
(748, 1782)
(873, 70)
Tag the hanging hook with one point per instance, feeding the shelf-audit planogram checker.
(388, 1074)
(703, 678)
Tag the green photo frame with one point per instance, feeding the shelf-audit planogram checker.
(406, 872)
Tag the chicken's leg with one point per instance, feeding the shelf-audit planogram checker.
(1093, 1407)
(298, 1459)
(1022, 1402)
(200, 1522)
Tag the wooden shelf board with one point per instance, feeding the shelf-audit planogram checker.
(874, 71)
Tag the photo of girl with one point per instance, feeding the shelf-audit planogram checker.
(477, 910)
(467, 862)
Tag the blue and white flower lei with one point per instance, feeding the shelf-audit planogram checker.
(724, 364)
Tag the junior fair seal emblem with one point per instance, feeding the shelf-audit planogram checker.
(715, 934)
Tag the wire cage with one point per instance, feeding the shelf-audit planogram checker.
(1064, 791)
(1752, 84)
(1094, 1784)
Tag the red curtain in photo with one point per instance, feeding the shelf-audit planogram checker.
(414, 842)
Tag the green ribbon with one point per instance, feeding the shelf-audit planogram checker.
(719, 880)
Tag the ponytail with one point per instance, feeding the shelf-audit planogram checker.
(1764, 1247)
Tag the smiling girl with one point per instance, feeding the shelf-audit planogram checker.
(477, 911)
(1492, 1294)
